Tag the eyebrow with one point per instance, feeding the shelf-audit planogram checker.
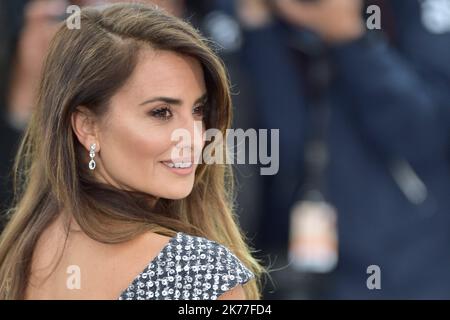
(173, 101)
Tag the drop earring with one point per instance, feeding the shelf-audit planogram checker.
(92, 155)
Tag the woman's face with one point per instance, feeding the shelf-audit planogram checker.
(136, 151)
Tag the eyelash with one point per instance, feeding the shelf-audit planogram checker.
(161, 113)
(202, 108)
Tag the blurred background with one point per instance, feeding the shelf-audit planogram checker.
(360, 91)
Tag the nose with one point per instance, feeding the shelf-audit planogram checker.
(188, 138)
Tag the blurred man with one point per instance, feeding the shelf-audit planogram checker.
(387, 139)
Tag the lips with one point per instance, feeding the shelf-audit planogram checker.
(179, 166)
(178, 163)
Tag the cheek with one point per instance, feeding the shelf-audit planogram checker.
(131, 150)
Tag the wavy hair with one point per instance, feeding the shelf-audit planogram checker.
(86, 67)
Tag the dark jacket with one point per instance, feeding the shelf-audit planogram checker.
(389, 169)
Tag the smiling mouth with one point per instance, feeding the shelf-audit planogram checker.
(180, 167)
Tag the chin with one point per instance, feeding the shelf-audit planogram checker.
(177, 196)
(176, 193)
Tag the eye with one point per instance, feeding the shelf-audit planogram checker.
(163, 113)
(199, 110)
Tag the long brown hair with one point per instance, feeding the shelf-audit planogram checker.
(86, 66)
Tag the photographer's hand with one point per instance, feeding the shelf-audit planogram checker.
(334, 20)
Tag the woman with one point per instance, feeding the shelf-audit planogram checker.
(102, 209)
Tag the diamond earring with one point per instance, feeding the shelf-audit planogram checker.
(92, 155)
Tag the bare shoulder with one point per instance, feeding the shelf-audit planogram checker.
(149, 243)
(105, 270)
(237, 293)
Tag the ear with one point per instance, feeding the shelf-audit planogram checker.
(85, 127)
